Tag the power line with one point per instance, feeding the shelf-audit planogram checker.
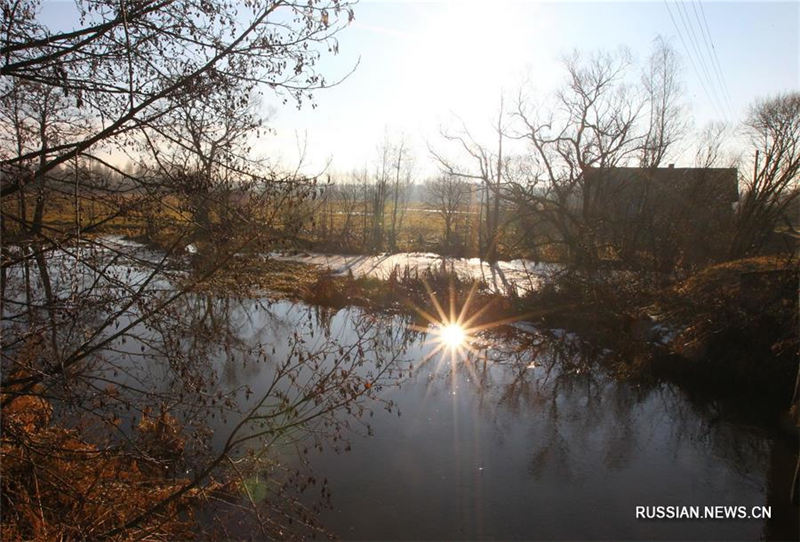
(691, 60)
(687, 24)
(713, 49)
(713, 68)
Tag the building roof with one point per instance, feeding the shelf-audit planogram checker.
(722, 180)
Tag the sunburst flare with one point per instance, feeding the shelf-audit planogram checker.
(452, 335)
(454, 331)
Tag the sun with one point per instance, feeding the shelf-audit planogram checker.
(454, 330)
(451, 332)
(452, 335)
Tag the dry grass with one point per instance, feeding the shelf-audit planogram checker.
(254, 276)
(737, 326)
(723, 280)
(56, 486)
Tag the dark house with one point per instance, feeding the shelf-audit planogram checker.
(661, 216)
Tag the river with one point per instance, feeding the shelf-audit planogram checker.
(525, 436)
(535, 446)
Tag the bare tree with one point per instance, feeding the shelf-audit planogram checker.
(167, 85)
(450, 196)
(490, 167)
(362, 179)
(773, 127)
(149, 55)
(379, 195)
(391, 181)
(403, 165)
(711, 141)
(666, 122)
(592, 125)
(336, 224)
(349, 205)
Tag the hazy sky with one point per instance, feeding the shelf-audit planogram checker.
(426, 64)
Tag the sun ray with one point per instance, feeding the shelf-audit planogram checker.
(467, 302)
(454, 334)
(452, 291)
(476, 315)
(436, 304)
(495, 323)
(428, 316)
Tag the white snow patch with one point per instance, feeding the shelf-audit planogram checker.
(517, 276)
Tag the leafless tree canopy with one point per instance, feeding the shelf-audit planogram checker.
(773, 128)
(450, 196)
(94, 329)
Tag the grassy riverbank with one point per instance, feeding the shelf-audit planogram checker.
(728, 329)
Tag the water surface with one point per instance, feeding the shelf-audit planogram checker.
(525, 438)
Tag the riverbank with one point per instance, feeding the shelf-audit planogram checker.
(728, 331)
(730, 328)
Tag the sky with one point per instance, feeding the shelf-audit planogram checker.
(426, 66)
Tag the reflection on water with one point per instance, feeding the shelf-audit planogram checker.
(519, 276)
(522, 439)
(540, 453)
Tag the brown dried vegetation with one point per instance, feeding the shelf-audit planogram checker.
(56, 486)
